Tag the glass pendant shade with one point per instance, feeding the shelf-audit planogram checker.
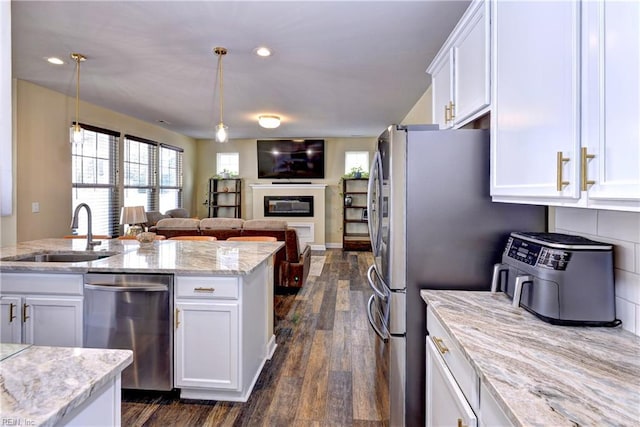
(76, 134)
(222, 133)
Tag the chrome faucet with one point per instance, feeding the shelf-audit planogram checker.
(74, 224)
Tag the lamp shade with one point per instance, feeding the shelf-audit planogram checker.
(269, 122)
(132, 215)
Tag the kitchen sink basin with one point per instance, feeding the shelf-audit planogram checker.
(75, 256)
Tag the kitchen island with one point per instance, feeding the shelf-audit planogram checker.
(46, 386)
(534, 372)
(222, 305)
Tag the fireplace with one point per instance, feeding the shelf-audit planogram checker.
(288, 206)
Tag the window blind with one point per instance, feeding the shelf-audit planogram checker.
(170, 169)
(140, 177)
(94, 180)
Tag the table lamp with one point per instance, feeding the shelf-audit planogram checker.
(134, 216)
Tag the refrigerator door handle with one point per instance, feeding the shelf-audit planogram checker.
(372, 285)
(374, 206)
(384, 337)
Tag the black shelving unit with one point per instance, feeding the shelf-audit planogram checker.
(225, 198)
(355, 231)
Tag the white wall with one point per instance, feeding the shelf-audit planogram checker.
(622, 229)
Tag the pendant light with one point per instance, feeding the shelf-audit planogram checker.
(222, 131)
(76, 130)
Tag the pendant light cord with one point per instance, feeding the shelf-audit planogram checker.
(221, 86)
(77, 128)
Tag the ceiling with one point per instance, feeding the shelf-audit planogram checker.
(338, 69)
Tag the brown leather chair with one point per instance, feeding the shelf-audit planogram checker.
(295, 267)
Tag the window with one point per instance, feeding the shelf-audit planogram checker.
(170, 177)
(152, 174)
(94, 181)
(139, 165)
(228, 161)
(355, 159)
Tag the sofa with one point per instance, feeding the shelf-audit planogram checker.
(291, 263)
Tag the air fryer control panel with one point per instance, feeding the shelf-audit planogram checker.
(536, 255)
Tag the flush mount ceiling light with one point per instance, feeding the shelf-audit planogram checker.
(263, 51)
(269, 121)
(76, 129)
(222, 131)
(55, 60)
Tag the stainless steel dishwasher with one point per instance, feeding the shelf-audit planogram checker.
(134, 312)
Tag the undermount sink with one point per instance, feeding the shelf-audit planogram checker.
(75, 256)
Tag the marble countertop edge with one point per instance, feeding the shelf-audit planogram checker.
(39, 367)
(567, 361)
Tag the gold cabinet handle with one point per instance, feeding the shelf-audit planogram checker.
(12, 315)
(447, 113)
(452, 110)
(584, 159)
(210, 290)
(560, 160)
(460, 423)
(440, 345)
(177, 317)
(24, 312)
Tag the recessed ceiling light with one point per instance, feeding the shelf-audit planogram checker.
(55, 61)
(263, 51)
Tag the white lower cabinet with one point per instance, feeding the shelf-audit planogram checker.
(446, 405)
(455, 395)
(207, 332)
(222, 338)
(41, 309)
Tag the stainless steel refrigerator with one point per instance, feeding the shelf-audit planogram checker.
(432, 226)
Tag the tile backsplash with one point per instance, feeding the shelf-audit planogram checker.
(622, 229)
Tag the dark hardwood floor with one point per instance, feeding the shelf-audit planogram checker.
(328, 370)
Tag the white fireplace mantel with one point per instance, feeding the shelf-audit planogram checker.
(310, 229)
(288, 186)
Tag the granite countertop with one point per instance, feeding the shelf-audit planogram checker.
(161, 256)
(542, 374)
(39, 385)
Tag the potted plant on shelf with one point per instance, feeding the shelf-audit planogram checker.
(225, 174)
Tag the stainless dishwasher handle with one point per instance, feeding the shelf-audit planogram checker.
(140, 288)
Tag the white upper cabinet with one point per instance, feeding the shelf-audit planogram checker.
(566, 107)
(460, 73)
(611, 104)
(442, 89)
(535, 117)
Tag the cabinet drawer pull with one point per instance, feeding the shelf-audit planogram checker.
(210, 290)
(560, 160)
(177, 317)
(440, 345)
(585, 157)
(24, 312)
(452, 110)
(447, 114)
(460, 424)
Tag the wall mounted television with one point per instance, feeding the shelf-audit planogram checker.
(291, 158)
